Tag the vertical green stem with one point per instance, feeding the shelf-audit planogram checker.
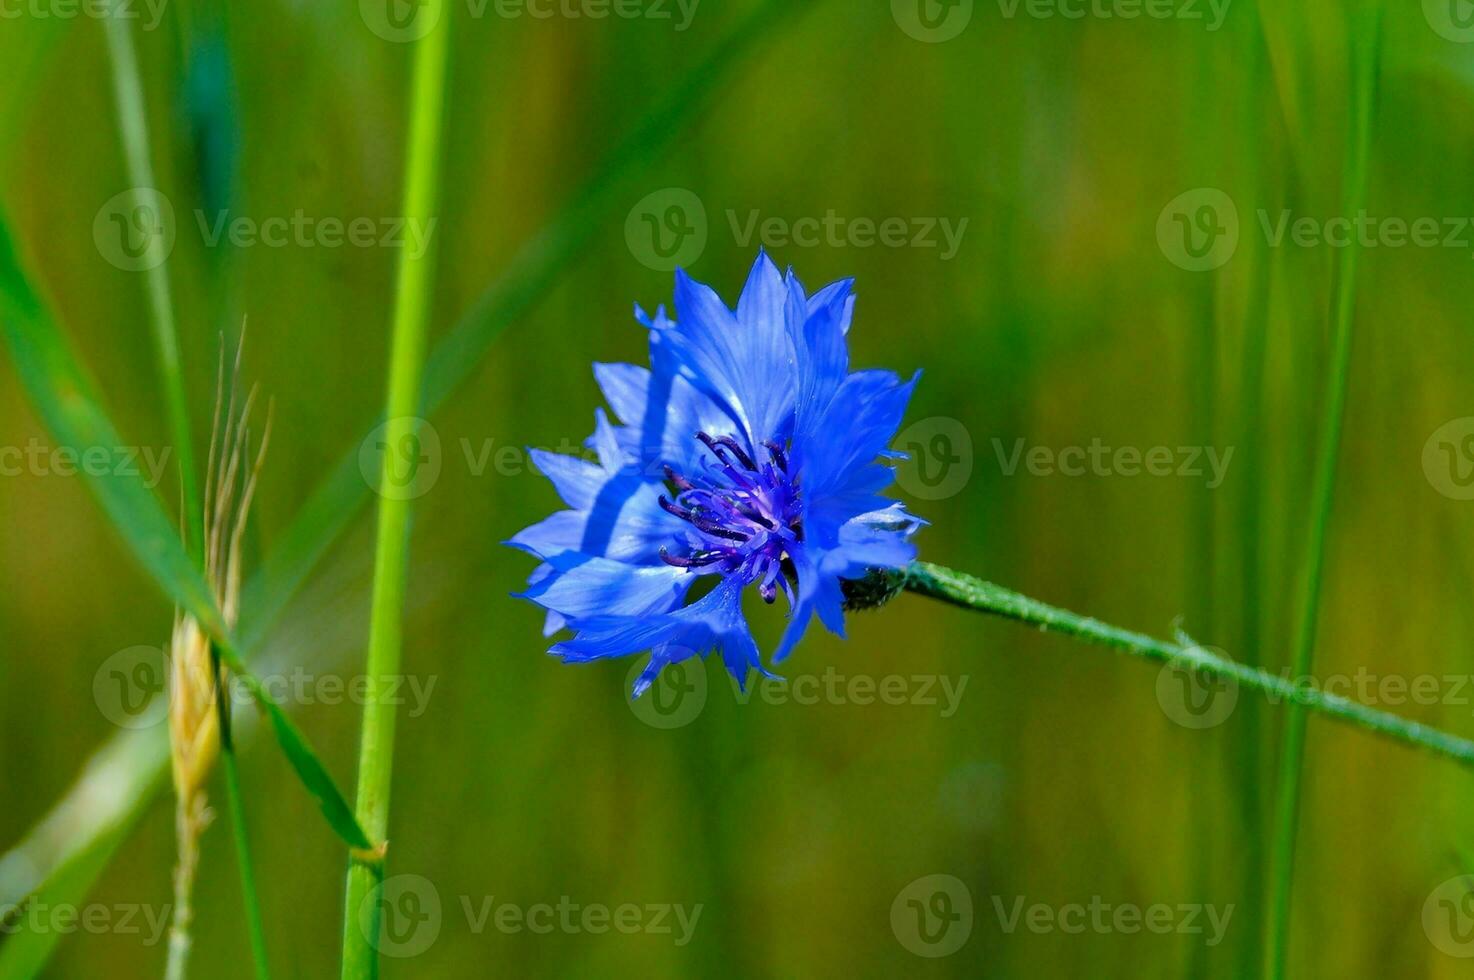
(406, 368)
(1366, 31)
(133, 124)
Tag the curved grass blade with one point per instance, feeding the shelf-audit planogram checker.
(1365, 49)
(66, 398)
(80, 836)
(133, 126)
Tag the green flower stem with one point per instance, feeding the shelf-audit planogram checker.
(965, 590)
(413, 301)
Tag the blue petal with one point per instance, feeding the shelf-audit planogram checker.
(878, 539)
(584, 586)
(837, 453)
(662, 413)
(577, 481)
(714, 622)
(743, 361)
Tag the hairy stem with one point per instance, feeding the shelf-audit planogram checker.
(961, 589)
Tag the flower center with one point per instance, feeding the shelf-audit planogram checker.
(746, 514)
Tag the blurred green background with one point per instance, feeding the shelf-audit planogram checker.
(1064, 774)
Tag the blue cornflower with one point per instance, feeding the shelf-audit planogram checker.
(748, 456)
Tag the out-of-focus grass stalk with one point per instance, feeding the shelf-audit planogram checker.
(133, 124)
(1247, 750)
(413, 303)
(1365, 44)
(970, 592)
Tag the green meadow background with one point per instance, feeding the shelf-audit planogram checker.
(1062, 774)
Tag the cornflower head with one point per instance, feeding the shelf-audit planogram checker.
(746, 455)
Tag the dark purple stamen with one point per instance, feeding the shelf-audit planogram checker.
(777, 452)
(698, 560)
(703, 523)
(714, 446)
(753, 515)
(737, 450)
(752, 511)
